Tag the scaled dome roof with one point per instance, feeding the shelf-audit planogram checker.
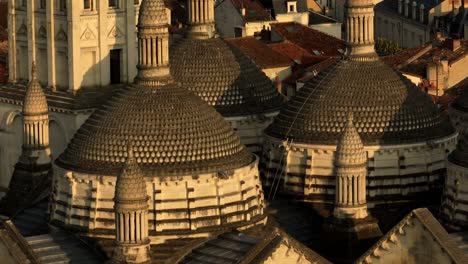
(35, 101)
(224, 77)
(172, 130)
(387, 107)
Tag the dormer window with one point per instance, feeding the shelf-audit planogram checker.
(292, 6)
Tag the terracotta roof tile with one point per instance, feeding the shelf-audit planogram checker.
(414, 61)
(311, 40)
(263, 55)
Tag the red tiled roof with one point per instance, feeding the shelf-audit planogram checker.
(254, 10)
(311, 40)
(415, 61)
(294, 52)
(264, 56)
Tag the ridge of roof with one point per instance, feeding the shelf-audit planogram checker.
(431, 224)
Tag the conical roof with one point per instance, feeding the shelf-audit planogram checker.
(224, 77)
(35, 101)
(131, 185)
(152, 13)
(350, 150)
(387, 107)
(173, 131)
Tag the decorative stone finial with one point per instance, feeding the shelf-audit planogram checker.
(350, 170)
(359, 21)
(153, 44)
(35, 101)
(350, 149)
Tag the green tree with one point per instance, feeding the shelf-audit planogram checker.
(386, 47)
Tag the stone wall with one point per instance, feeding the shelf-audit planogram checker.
(395, 172)
(455, 198)
(72, 45)
(62, 127)
(192, 204)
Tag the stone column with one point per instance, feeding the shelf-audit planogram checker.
(103, 53)
(50, 10)
(75, 73)
(12, 67)
(31, 14)
(131, 43)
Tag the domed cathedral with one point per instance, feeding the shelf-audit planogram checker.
(454, 208)
(81, 48)
(224, 77)
(199, 178)
(406, 139)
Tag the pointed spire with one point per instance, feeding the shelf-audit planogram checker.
(350, 149)
(35, 101)
(131, 185)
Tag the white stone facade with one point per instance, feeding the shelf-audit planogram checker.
(194, 204)
(455, 199)
(73, 44)
(393, 171)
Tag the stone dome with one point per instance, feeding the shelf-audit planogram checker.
(387, 107)
(172, 130)
(35, 101)
(224, 77)
(350, 150)
(152, 13)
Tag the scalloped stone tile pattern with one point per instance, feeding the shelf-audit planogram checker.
(223, 77)
(152, 12)
(387, 107)
(35, 101)
(131, 185)
(173, 132)
(350, 150)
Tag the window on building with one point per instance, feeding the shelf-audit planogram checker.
(87, 4)
(291, 7)
(136, 2)
(113, 3)
(42, 4)
(24, 3)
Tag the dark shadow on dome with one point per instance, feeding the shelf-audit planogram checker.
(224, 77)
(388, 109)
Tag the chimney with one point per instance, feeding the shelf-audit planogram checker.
(243, 11)
(407, 3)
(452, 44)
(415, 6)
(400, 7)
(421, 13)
